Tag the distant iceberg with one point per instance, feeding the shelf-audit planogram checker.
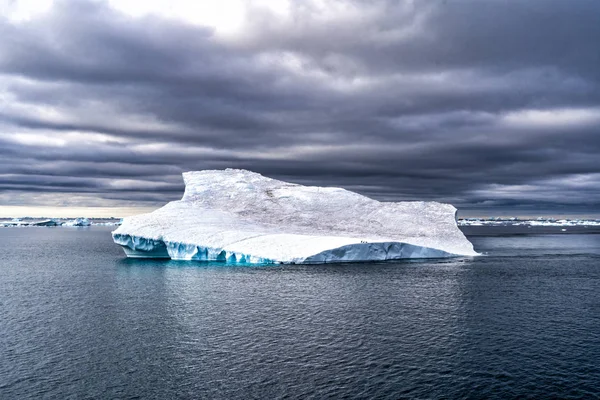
(544, 222)
(46, 222)
(78, 222)
(238, 216)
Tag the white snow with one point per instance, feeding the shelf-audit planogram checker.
(240, 216)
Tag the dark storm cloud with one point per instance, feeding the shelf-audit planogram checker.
(492, 104)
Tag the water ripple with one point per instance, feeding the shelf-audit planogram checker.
(523, 322)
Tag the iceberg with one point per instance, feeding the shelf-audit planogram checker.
(239, 216)
(540, 221)
(47, 222)
(78, 222)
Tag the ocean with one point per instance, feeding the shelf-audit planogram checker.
(78, 320)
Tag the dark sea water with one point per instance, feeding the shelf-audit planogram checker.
(78, 320)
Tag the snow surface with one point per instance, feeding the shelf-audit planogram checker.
(240, 216)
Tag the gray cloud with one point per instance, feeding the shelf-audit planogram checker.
(485, 105)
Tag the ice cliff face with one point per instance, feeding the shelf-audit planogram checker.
(240, 216)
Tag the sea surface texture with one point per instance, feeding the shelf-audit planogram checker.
(79, 320)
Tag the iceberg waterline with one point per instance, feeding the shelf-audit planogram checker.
(137, 247)
(238, 216)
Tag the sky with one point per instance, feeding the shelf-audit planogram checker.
(493, 106)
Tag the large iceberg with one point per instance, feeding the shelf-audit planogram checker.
(239, 216)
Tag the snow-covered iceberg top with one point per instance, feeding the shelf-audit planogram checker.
(240, 216)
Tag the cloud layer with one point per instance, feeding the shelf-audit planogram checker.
(486, 105)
